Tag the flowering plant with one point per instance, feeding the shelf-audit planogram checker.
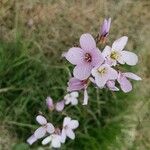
(91, 66)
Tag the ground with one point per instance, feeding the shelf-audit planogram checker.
(33, 35)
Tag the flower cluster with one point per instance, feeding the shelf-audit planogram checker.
(101, 68)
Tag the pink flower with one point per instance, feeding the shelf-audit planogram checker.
(31, 139)
(45, 127)
(85, 58)
(68, 127)
(116, 53)
(103, 74)
(104, 30)
(75, 84)
(125, 84)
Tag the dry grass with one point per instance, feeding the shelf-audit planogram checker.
(53, 26)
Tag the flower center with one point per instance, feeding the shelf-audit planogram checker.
(102, 71)
(114, 55)
(88, 57)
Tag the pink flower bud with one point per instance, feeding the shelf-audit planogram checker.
(60, 105)
(49, 103)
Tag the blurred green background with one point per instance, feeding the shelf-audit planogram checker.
(33, 35)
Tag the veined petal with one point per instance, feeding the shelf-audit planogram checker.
(87, 42)
(75, 55)
(107, 51)
(119, 44)
(70, 134)
(31, 139)
(50, 128)
(41, 120)
(129, 57)
(97, 57)
(132, 76)
(83, 71)
(125, 84)
(66, 121)
(73, 124)
(47, 140)
(40, 132)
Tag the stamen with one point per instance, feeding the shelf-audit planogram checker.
(114, 55)
(102, 71)
(88, 57)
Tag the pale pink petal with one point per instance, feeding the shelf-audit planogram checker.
(111, 85)
(70, 134)
(47, 140)
(129, 57)
(40, 132)
(56, 142)
(83, 71)
(50, 128)
(107, 51)
(97, 57)
(101, 81)
(112, 73)
(60, 105)
(31, 139)
(75, 55)
(132, 76)
(125, 84)
(74, 101)
(86, 97)
(73, 124)
(119, 44)
(104, 27)
(87, 42)
(63, 136)
(74, 94)
(108, 24)
(49, 103)
(41, 120)
(66, 121)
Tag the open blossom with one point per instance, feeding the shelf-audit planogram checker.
(111, 85)
(116, 53)
(104, 30)
(68, 127)
(125, 84)
(85, 58)
(45, 127)
(103, 74)
(71, 98)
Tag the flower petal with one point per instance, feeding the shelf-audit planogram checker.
(74, 101)
(40, 132)
(74, 94)
(129, 57)
(73, 124)
(107, 51)
(63, 136)
(50, 128)
(70, 134)
(86, 97)
(87, 42)
(101, 81)
(49, 103)
(60, 105)
(119, 44)
(75, 55)
(31, 139)
(83, 71)
(112, 73)
(56, 142)
(41, 120)
(66, 121)
(97, 57)
(125, 84)
(132, 76)
(46, 140)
